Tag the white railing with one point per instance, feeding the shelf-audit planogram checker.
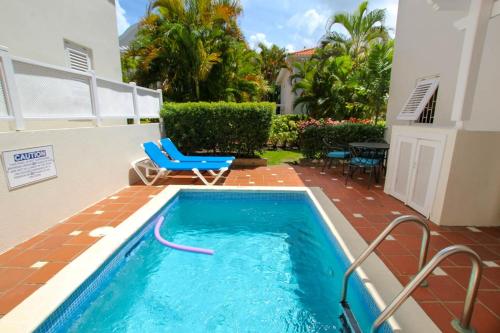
(30, 90)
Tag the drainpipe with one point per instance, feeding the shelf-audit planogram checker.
(470, 60)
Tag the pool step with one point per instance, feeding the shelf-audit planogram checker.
(349, 323)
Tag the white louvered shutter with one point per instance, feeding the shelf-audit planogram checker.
(419, 98)
(78, 57)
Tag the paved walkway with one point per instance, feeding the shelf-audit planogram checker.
(31, 264)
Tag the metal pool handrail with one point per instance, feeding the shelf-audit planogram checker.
(462, 326)
(402, 219)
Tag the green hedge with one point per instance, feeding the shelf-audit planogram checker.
(311, 137)
(225, 127)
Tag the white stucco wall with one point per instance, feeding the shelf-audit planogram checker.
(485, 114)
(286, 95)
(472, 194)
(91, 163)
(37, 30)
(427, 43)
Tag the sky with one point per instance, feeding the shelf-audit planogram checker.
(292, 24)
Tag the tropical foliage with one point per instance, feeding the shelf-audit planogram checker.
(284, 132)
(194, 50)
(349, 74)
(273, 60)
(313, 133)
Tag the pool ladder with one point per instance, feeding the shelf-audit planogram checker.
(462, 326)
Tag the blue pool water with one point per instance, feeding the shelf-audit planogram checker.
(276, 269)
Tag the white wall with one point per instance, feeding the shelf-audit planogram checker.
(426, 44)
(37, 29)
(286, 95)
(473, 193)
(91, 163)
(486, 105)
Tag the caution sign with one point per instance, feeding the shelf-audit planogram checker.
(28, 166)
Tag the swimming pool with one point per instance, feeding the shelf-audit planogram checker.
(277, 268)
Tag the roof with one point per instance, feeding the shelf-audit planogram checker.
(304, 53)
(128, 36)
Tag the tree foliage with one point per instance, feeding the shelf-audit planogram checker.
(194, 50)
(273, 60)
(350, 72)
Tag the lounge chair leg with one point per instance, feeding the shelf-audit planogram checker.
(144, 177)
(204, 180)
(326, 163)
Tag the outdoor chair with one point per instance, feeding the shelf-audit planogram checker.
(382, 154)
(174, 153)
(158, 165)
(335, 152)
(364, 159)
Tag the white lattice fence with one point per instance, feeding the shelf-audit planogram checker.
(33, 90)
(48, 93)
(4, 112)
(148, 103)
(115, 99)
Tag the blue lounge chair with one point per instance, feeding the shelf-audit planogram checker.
(176, 155)
(162, 166)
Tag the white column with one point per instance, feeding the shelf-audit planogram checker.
(160, 97)
(137, 117)
(13, 103)
(470, 60)
(95, 98)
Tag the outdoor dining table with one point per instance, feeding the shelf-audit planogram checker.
(371, 145)
(378, 146)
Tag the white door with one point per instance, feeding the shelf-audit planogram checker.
(405, 154)
(424, 176)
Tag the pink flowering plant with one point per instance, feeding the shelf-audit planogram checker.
(314, 132)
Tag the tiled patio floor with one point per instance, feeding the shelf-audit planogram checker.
(29, 265)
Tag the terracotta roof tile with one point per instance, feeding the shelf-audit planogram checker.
(304, 52)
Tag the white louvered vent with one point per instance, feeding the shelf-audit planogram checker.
(419, 98)
(78, 57)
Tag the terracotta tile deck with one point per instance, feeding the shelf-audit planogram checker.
(29, 265)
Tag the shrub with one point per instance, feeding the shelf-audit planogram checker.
(225, 127)
(285, 131)
(313, 132)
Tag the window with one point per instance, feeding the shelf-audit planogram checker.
(420, 99)
(77, 57)
(427, 115)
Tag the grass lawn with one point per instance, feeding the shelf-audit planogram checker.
(279, 156)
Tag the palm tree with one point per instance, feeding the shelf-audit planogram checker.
(375, 75)
(272, 61)
(363, 28)
(194, 20)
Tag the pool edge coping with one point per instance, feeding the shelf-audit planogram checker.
(36, 308)
(374, 272)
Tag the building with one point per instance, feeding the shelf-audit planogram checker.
(443, 112)
(60, 32)
(61, 93)
(287, 96)
(128, 36)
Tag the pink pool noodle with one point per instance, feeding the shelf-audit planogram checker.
(160, 239)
